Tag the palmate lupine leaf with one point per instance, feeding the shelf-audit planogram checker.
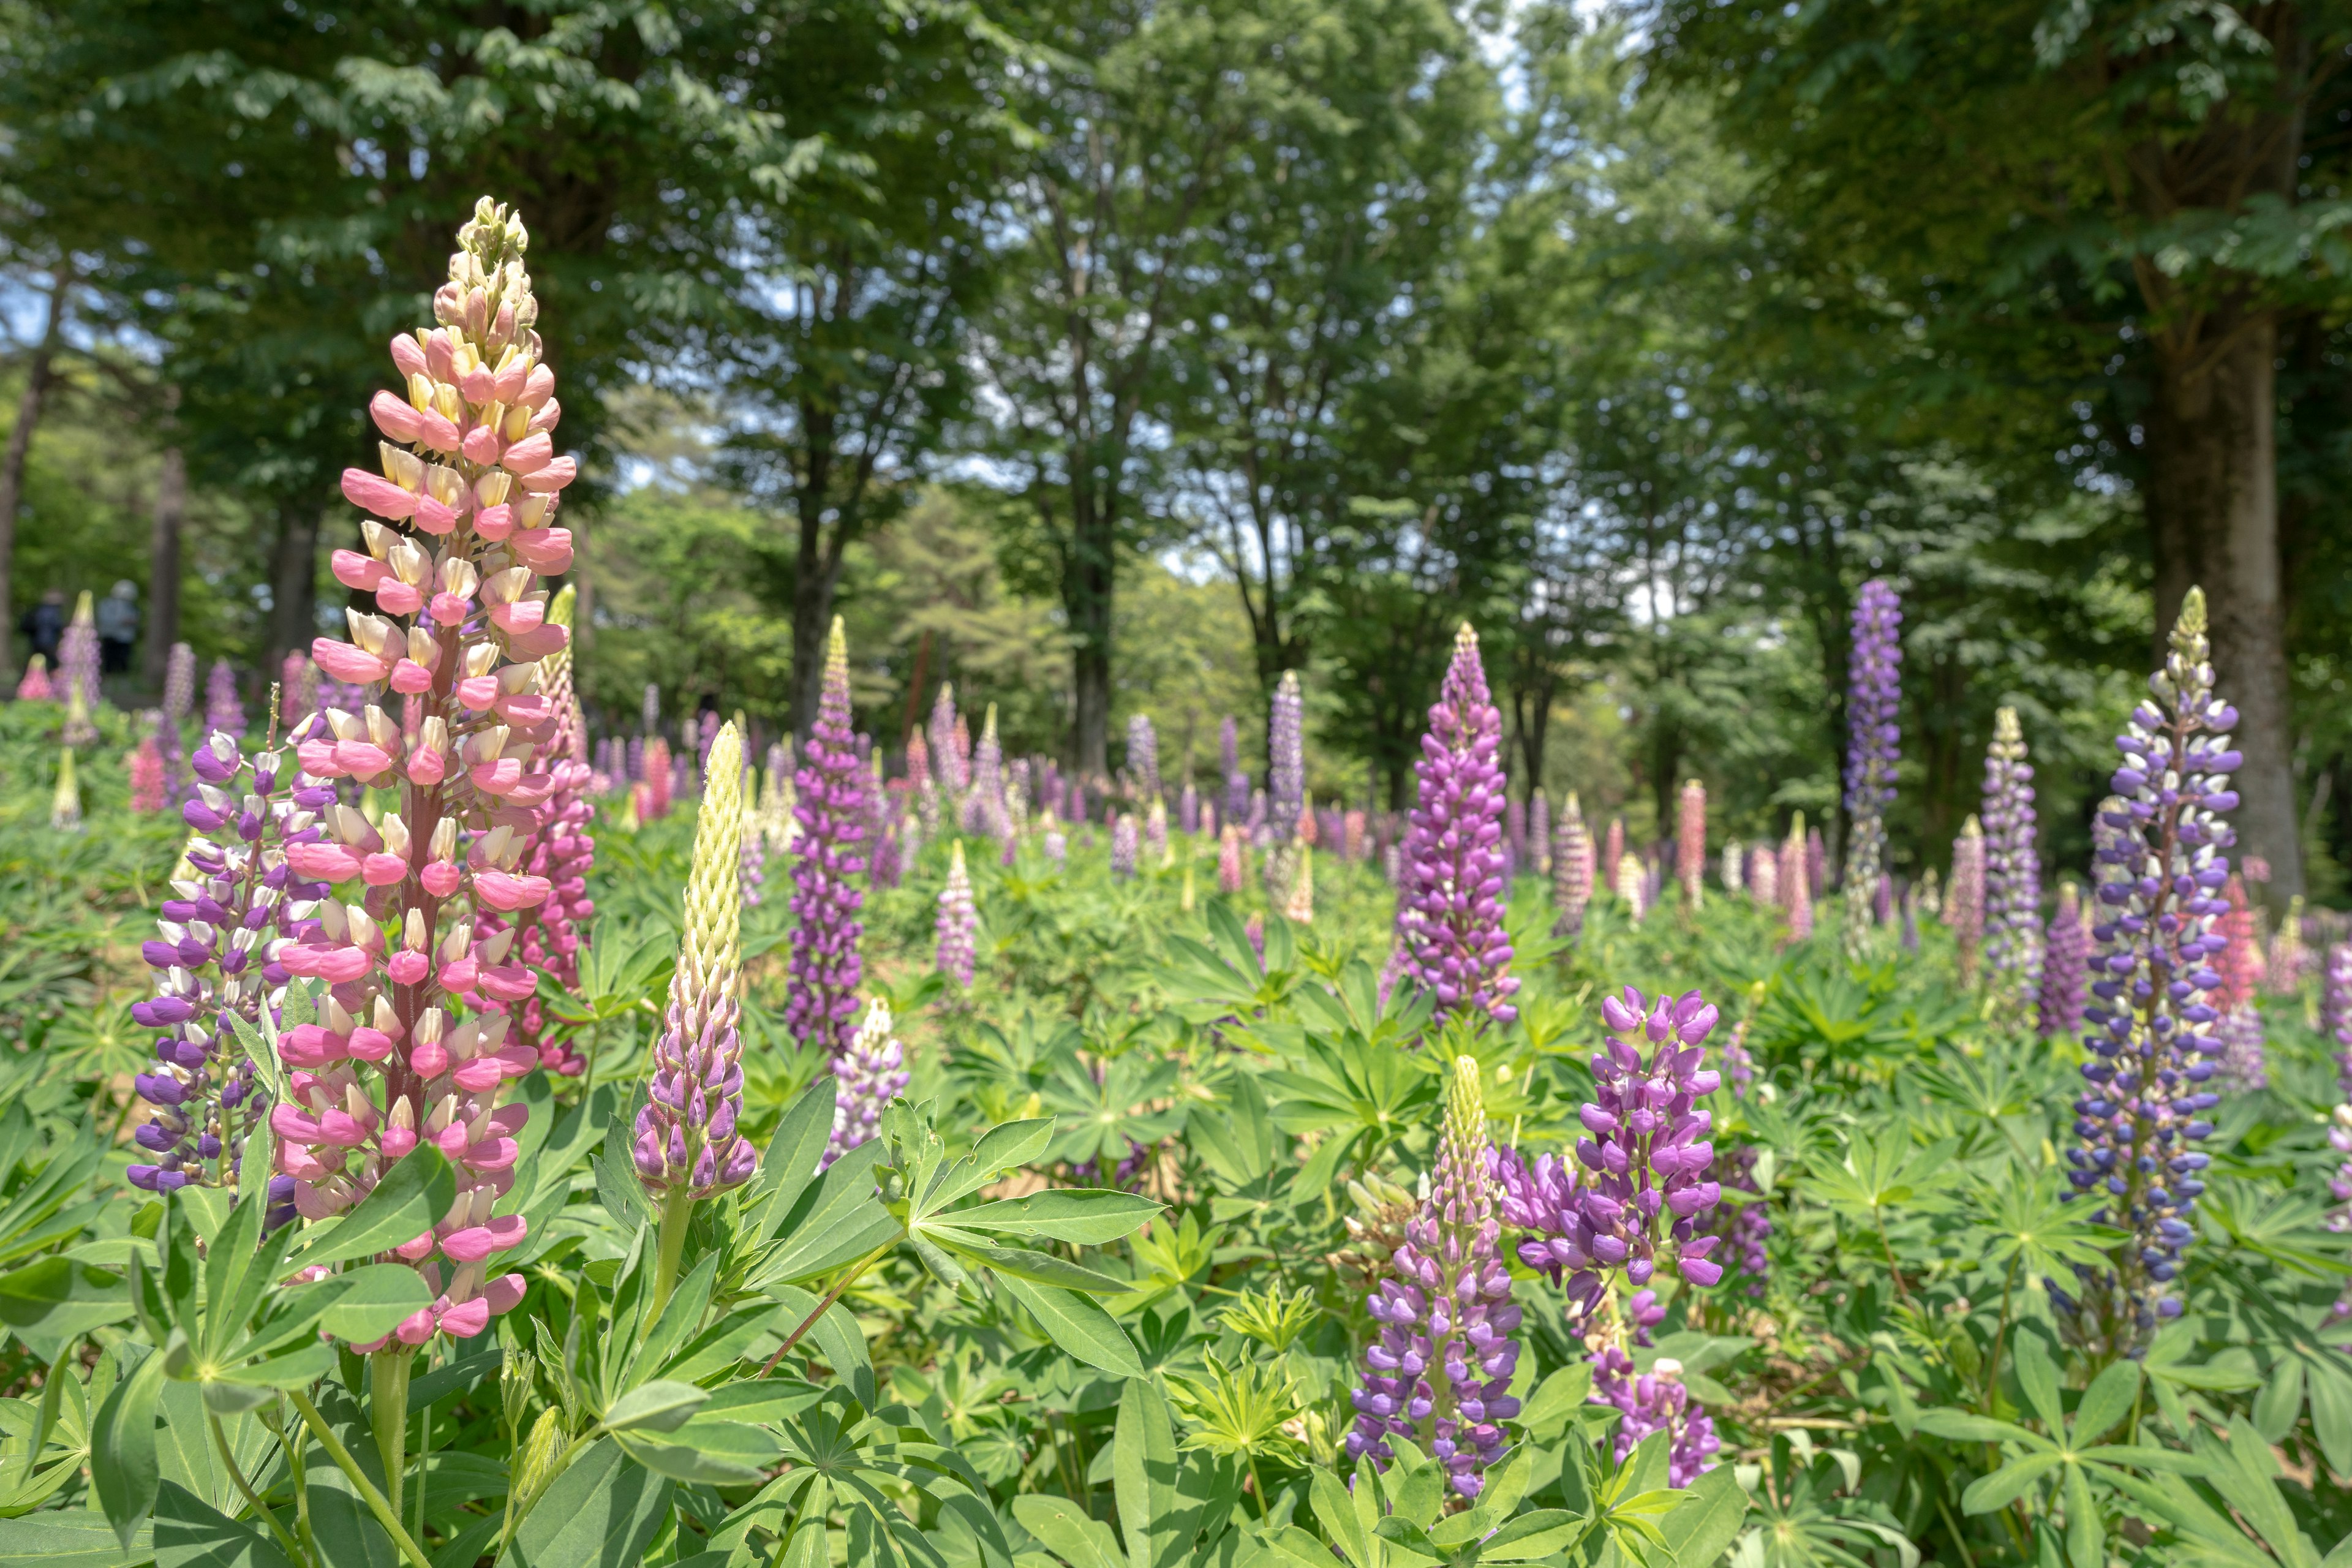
(1874, 1178)
(1802, 1521)
(2024, 1225)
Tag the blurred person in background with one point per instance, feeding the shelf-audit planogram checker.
(44, 626)
(118, 629)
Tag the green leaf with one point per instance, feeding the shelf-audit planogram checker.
(1090, 1216)
(1545, 1530)
(1077, 1325)
(2108, 1401)
(192, 1534)
(658, 1406)
(66, 1538)
(1963, 1427)
(124, 1465)
(57, 1301)
(789, 1167)
(2039, 1378)
(1068, 1533)
(718, 1453)
(375, 1298)
(407, 1202)
(1702, 1528)
(1334, 1509)
(2008, 1483)
(836, 1221)
(600, 1513)
(1040, 1268)
(1143, 1477)
(2281, 1400)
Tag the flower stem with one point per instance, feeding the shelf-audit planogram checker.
(388, 1414)
(383, 1512)
(868, 1261)
(676, 1209)
(244, 1489)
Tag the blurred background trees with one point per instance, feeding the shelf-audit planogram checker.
(1103, 356)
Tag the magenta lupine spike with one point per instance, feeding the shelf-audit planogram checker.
(298, 688)
(224, 708)
(1452, 916)
(1441, 1370)
(146, 775)
(1238, 783)
(1143, 758)
(1230, 871)
(1690, 842)
(2336, 1010)
(1874, 746)
(958, 923)
(2012, 941)
(215, 953)
(2141, 1111)
(2066, 967)
(1571, 870)
(1123, 846)
(1797, 883)
(1612, 847)
(1287, 759)
(947, 760)
(415, 1043)
(867, 1075)
(821, 1004)
(1188, 810)
(33, 685)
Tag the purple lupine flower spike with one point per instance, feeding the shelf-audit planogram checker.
(2143, 1108)
(2066, 967)
(869, 1075)
(2336, 1010)
(957, 921)
(1143, 758)
(1874, 746)
(1571, 870)
(2012, 945)
(1123, 846)
(1238, 783)
(1451, 920)
(821, 1005)
(224, 709)
(1440, 1369)
(1286, 760)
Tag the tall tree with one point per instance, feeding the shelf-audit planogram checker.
(40, 376)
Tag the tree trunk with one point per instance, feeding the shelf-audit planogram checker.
(293, 585)
(811, 598)
(39, 376)
(2212, 512)
(1087, 598)
(163, 564)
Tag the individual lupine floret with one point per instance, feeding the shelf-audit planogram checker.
(224, 707)
(412, 1043)
(1796, 882)
(1143, 758)
(688, 1146)
(867, 1075)
(2142, 1110)
(1451, 921)
(959, 921)
(821, 1005)
(33, 685)
(2066, 967)
(1964, 908)
(2013, 875)
(1123, 846)
(1873, 747)
(1571, 870)
(214, 954)
(77, 663)
(1690, 842)
(1440, 1369)
(145, 771)
(1285, 759)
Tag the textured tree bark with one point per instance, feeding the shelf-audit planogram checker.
(163, 564)
(2213, 514)
(40, 375)
(293, 585)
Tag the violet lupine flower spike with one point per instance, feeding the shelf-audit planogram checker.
(1451, 921)
(1285, 759)
(1123, 846)
(412, 1039)
(1964, 906)
(821, 1005)
(224, 708)
(1238, 783)
(77, 662)
(2142, 1110)
(867, 1075)
(957, 921)
(1873, 745)
(1571, 870)
(2012, 945)
(2335, 1011)
(1143, 759)
(1690, 842)
(1441, 1370)
(170, 726)
(2066, 967)
(215, 956)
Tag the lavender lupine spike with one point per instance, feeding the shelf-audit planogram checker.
(2335, 1011)
(1797, 882)
(1538, 834)
(1874, 746)
(957, 921)
(1452, 918)
(1285, 759)
(2066, 967)
(178, 699)
(2012, 945)
(1571, 870)
(1964, 906)
(1123, 846)
(821, 1004)
(687, 1140)
(984, 807)
(215, 956)
(870, 1074)
(77, 662)
(947, 757)
(1143, 757)
(1441, 1370)
(1690, 842)
(1238, 783)
(2283, 966)
(2142, 1110)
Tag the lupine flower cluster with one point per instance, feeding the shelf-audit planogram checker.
(1238, 783)
(144, 769)
(1142, 757)
(412, 1042)
(1123, 846)
(179, 698)
(214, 954)
(33, 686)
(958, 923)
(2142, 1110)
(984, 807)
(687, 1140)
(821, 1005)
(1764, 876)
(1441, 1370)
(2066, 967)
(1690, 842)
(1797, 882)
(1229, 861)
(1612, 846)
(1571, 870)
(2282, 965)
(2336, 1010)
(1964, 907)
(868, 1077)
(1874, 746)
(1631, 884)
(1299, 907)
(224, 708)
(77, 663)
(1285, 758)
(1451, 921)
(2012, 890)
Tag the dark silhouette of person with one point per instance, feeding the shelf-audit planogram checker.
(43, 624)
